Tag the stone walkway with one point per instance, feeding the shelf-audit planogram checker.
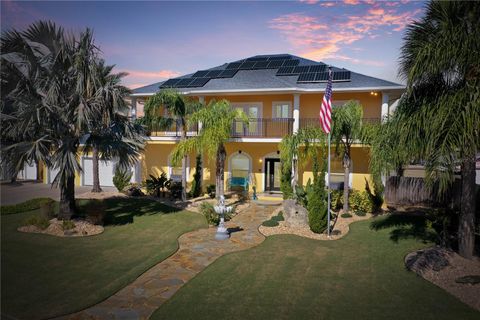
(197, 250)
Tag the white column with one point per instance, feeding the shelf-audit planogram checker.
(201, 99)
(133, 110)
(385, 98)
(296, 112)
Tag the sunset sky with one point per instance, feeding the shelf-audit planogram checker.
(153, 41)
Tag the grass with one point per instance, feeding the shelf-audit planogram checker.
(45, 276)
(361, 276)
(29, 205)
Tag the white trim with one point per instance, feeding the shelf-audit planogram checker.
(274, 140)
(170, 168)
(290, 111)
(276, 90)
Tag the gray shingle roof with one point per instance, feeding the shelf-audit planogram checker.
(258, 80)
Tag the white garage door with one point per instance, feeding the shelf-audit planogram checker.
(29, 172)
(52, 173)
(106, 172)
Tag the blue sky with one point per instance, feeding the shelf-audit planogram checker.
(153, 41)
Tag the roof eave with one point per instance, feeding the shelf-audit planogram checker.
(278, 90)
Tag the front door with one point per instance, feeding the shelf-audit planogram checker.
(272, 174)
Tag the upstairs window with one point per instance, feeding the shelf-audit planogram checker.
(282, 110)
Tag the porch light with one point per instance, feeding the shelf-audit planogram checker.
(239, 151)
(260, 160)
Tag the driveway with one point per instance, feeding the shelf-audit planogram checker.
(25, 190)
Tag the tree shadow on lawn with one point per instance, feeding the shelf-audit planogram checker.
(120, 210)
(407, 225)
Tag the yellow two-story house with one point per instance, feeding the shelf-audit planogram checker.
(280, 94)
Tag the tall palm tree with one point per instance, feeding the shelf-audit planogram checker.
(111, 135)
(217, 119)
(50, 113)
(438, 119)
(179, 108)
(347, 128)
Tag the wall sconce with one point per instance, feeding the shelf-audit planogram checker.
(374, 93)
(278, 151)
(260, 160)
(239, 151)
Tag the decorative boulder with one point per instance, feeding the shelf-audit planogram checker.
(295, 215)
(421, 261)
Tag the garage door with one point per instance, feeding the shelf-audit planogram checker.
(52, 173)
(29, 172)
(106, 172)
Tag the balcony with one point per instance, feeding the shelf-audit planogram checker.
(262, 128)
(315, 122)
(256, 128)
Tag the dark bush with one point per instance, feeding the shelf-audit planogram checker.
(209, 213)
(29, 205)
(346, 215)
(68, 225)
(39, 221)
(317, 205)
(196, 190)
(278, 217)
(286, 184)
(175, 189)
(134, 191)
(211, 190)
(270, 223)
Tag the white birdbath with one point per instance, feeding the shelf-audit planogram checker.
(221, 209)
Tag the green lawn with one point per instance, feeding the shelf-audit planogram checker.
(45, 276)
(361, 276)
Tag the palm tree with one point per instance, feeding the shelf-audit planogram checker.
(111, 135)
(179, 108)
(49, 109)
(438, 119)
(347, 128)
(217, 119)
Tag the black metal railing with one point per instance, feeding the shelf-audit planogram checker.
(174, 130)
(315, 122)
(262, 128)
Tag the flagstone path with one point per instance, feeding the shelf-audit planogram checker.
(197, 250)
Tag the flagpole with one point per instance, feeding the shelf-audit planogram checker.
(328, 188)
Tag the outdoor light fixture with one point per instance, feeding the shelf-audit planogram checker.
(260, 160)
(221, 209)
(239, 151)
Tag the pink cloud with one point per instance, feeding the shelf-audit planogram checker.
(310, 1)
(308, 35)
(351, 2)
(139, 78)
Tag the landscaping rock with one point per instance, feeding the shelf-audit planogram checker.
(421, 261)
(295, 215)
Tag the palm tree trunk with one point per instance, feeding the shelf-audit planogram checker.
(67, 199)
(221, 155)
(96, 174)
(346, 180)
(184, 165)
(466, 232)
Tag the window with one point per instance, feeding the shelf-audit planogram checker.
(281, 110)
(240, 166)
(175, 173)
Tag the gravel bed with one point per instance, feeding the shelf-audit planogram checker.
(82, 229)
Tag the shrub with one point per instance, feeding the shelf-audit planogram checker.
(121, 179)
(155, 185)
(360, 202)
(175, 189)
(270, 223)
(346, 215)
(317, 205)
(377, 196)
(68, 225)
(211, 216)
(29, 205)
(286, 184)
(360, 213)
(196, 190)
(134, 191)
(336, 199)
(95, 211)
(278, 217)
(211, 190)
(39, 221)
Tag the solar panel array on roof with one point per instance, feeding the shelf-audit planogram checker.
(286, 65)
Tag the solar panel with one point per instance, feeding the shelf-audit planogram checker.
(228, 73)
(341, 76)
(170, 83)
(318, 68)
(199, 82)
(291, 63)
(234, 65)
(321, 76)
(275, 64)
(200, 74)
(260, 65)
(285, 71)
(258, 59)
(284, 57)
(247, 65)
(301, 69)
(213, 73)
(306, 77)
(184, 82)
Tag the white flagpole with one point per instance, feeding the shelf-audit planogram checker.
(328, 213)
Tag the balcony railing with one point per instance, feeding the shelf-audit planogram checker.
(262, 128)
(315, 122)
(175, 130)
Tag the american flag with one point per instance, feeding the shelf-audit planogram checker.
(326, 107)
